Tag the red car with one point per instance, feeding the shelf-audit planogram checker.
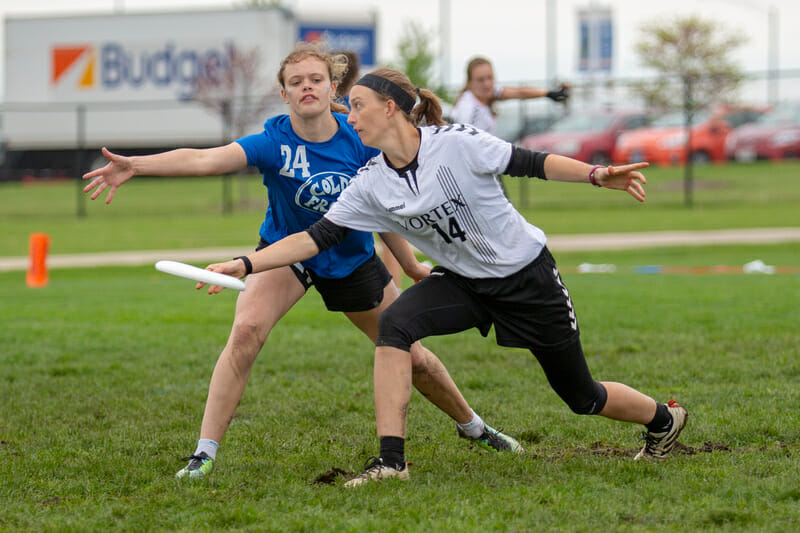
(664, 143)
(588, 136)
(776, 135)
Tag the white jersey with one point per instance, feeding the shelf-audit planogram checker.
(470, 110)
(448, 203)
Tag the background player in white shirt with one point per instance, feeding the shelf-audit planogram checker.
(475, 103)
(437, 187)
(297, 153)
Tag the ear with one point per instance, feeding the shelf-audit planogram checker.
(391, 108)
(283, 95)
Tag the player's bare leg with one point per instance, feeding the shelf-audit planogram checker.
(429, 375)
(627, 404)
(268, 296)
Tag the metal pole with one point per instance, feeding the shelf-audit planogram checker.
(772, 53)
(444, 42)
(79, 158)
(550, 44)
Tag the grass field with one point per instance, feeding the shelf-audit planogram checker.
(104, 373)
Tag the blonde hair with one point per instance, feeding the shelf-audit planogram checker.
(428, 111)
(350, 74)
(336, 64)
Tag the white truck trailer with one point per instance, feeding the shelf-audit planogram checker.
(128, 81)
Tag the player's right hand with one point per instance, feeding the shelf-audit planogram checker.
(118, 170)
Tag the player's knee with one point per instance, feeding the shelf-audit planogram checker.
(247, 337)
(392, 333)
(588, 402)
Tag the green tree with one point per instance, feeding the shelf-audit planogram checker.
(694, 53)
(417, 58)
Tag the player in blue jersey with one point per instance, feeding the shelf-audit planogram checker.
(307, 158)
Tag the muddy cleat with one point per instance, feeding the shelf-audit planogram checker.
(199, 466)
(658, 445)
(375, 470)
(493, 440)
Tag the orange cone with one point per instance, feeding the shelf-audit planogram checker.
(37, 271)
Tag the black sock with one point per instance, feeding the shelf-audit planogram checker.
(662, 421)
(393, 452)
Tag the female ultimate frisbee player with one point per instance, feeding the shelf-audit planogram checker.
(475, 104)
(437, 187)
(301, 155)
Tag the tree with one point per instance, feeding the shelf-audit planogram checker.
(235, 90)
(696, 54)
(417, 58)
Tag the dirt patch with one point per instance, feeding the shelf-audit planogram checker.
(598, 448)
(329, 477)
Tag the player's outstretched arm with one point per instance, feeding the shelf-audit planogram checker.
(180, 162)
(624, 177)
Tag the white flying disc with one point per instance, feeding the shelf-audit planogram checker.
(199, 274)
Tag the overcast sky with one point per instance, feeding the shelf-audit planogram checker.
(510, 32)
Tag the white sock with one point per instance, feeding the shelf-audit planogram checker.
(208, 446)
(474, 428)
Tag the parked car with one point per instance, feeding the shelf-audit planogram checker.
(775, 135)
(587, 135)
(664, 142)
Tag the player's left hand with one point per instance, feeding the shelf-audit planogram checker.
(418, 271)
(623, 178)
(560, 95)
(233, 268)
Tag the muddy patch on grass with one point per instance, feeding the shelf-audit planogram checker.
(604, 450)
(329, 477)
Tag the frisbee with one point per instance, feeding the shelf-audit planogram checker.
(199, 274)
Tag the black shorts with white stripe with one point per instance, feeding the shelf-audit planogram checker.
(529, 309)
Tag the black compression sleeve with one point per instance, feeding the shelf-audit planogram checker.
(525, 162)
(326, 234)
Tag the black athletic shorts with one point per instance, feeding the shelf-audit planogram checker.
(529, 309)
(362, 290)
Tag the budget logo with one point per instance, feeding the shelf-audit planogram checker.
(68, 59)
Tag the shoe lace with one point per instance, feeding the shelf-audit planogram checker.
(493, 438)
(373, 463)
(651, 440)
(195, 461)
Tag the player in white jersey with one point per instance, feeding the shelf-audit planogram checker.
(475, 104)
(437, 186)
(298, 154)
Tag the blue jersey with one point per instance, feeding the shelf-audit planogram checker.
(303, 180)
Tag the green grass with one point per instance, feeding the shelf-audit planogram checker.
(104, 375)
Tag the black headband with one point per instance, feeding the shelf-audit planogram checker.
(388, 88)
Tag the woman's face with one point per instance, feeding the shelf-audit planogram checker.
(482, 83)
(307, 87)
(368, 115)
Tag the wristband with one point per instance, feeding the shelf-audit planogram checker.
(248, 266)
(591, 176)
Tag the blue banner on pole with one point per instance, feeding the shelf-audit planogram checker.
(596, 33)
(359, 39)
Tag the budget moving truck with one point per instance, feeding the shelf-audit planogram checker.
(125, 81)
